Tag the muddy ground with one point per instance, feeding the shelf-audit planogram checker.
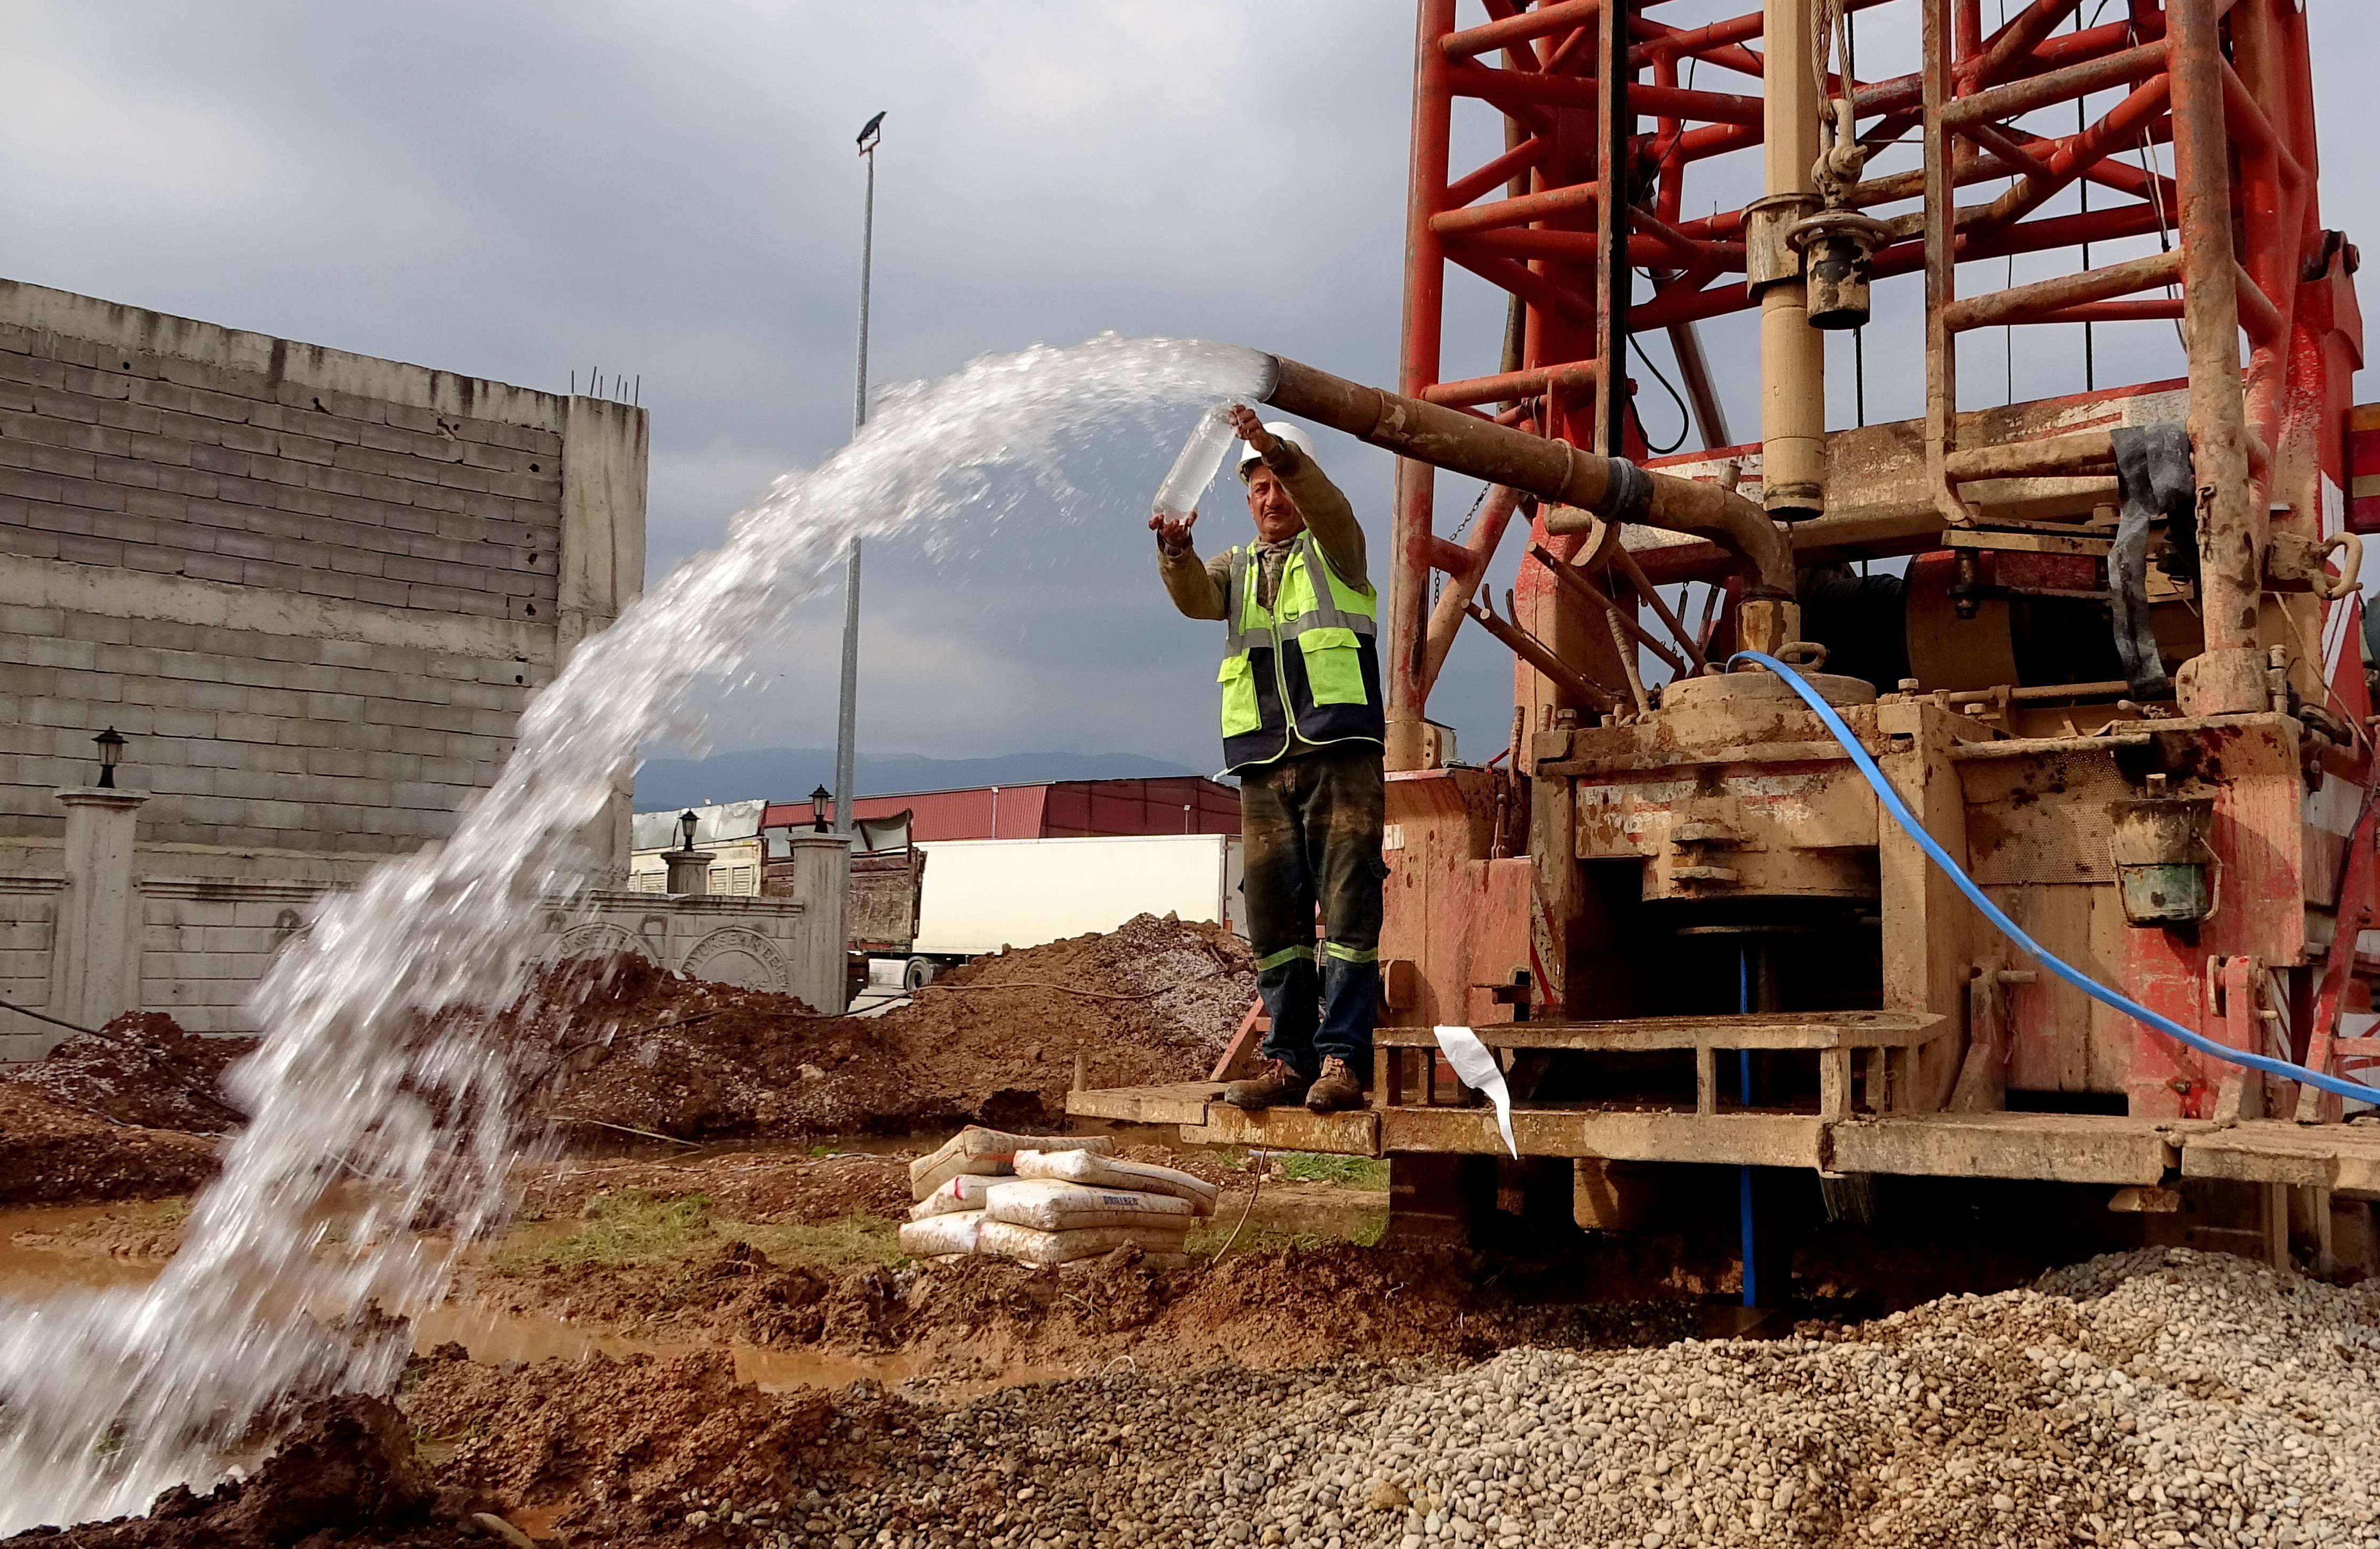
(779, 1261)
(712, 1338)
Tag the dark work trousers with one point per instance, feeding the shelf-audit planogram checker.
(1310, 827)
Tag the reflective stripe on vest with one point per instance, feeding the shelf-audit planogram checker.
(1329, 683)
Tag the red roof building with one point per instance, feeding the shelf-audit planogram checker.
(1051, 809)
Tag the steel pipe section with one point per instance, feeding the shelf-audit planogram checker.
(1551, 470)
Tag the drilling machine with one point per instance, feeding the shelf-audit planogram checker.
(2118, 680)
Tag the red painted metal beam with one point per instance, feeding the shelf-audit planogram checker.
(1521, 158)
(1577, 376)
(1425, 321)
(1508, 90)
(1521, 28)
(2060, 85)
(1575, 199)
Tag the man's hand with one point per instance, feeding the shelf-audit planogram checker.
(1243, 419)
(1173, 537)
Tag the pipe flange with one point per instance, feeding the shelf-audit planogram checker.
(1627, 494)
(1870, 234)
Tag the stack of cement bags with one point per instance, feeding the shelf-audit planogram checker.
(949, 1185)
(1063, 1203)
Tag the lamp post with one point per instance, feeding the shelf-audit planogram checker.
(819, 798)
(688, 868)
(111, 752)
(847, 712)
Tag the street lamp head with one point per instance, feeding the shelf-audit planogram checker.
(870, 133)
(686, 826)
(819, 798)
(111, 752)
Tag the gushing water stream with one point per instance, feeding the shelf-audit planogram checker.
(108, 1398)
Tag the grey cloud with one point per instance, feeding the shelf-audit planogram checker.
(523, 190)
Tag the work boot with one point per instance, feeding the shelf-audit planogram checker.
(1335, 1089)
(1273, 1085)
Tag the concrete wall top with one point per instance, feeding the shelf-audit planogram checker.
(314, 367)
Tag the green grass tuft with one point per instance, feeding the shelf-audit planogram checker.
(1347, 1172)
(631, 1226)
(855, 1241)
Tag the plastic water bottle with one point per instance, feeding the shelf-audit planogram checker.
(1202, 454)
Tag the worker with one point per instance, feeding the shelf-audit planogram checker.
(1302, 729)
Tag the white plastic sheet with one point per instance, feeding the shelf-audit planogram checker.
(1477, 1069)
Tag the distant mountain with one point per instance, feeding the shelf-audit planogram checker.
(790, 774)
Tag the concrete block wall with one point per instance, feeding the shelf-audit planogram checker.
(253, 738)
(28, 914)
(203, 946)
(226, 469)
(314, 588)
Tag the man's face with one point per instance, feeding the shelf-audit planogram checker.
(1275, 514)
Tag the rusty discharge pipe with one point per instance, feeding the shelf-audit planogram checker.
(1557, 472)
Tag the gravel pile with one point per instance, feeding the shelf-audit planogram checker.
(2147, 1399)
(2165, 1397)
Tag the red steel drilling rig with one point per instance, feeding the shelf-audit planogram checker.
(2120, 680)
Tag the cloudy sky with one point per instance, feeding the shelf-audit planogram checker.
(669, 190)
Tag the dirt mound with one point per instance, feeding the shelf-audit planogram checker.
(55, 1154)
(616, 1445)
(621, 1045)
(348, 1476)
(142, 1069)
(800, 1190)
(1272, 1310)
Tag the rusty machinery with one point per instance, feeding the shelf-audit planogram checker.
(2120, 683)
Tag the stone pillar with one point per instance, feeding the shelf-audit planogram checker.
(601, 569)
(95, 948)
(689, 872)
(820, 878)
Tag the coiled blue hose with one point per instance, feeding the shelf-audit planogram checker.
(2008, 927)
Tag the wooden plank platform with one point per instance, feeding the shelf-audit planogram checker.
(2063, 1147)
(2344, 1158)
(1355, 1132)
(1183, 1102)
(1781, 1140)
(1803, 1030)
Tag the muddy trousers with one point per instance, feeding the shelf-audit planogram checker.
(1310, 827)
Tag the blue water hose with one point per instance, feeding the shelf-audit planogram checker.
(1900, 814)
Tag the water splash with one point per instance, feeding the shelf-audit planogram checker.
(108, 1398)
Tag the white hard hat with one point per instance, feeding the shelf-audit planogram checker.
(1294, 434)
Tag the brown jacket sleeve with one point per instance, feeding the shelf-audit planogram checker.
(1197, 586)
(1328, 515)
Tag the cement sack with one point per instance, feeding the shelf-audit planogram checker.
(986, 1153)
(955, 1232)
(1050, 1204)
(963, 1193)
(1006, 1239)
(1115, 1172)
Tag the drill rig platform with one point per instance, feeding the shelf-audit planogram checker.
(2121, 676)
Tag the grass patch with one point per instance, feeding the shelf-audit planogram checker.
(629, 1227)
(632, 1227)
(1347, 1172)
(855, 1241)
(158, 1217)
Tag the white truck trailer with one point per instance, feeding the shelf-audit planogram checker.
(982, 894)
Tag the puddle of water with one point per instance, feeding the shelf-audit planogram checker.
(33, 1268)
(33, 1272)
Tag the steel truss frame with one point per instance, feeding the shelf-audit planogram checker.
(1594, 100)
